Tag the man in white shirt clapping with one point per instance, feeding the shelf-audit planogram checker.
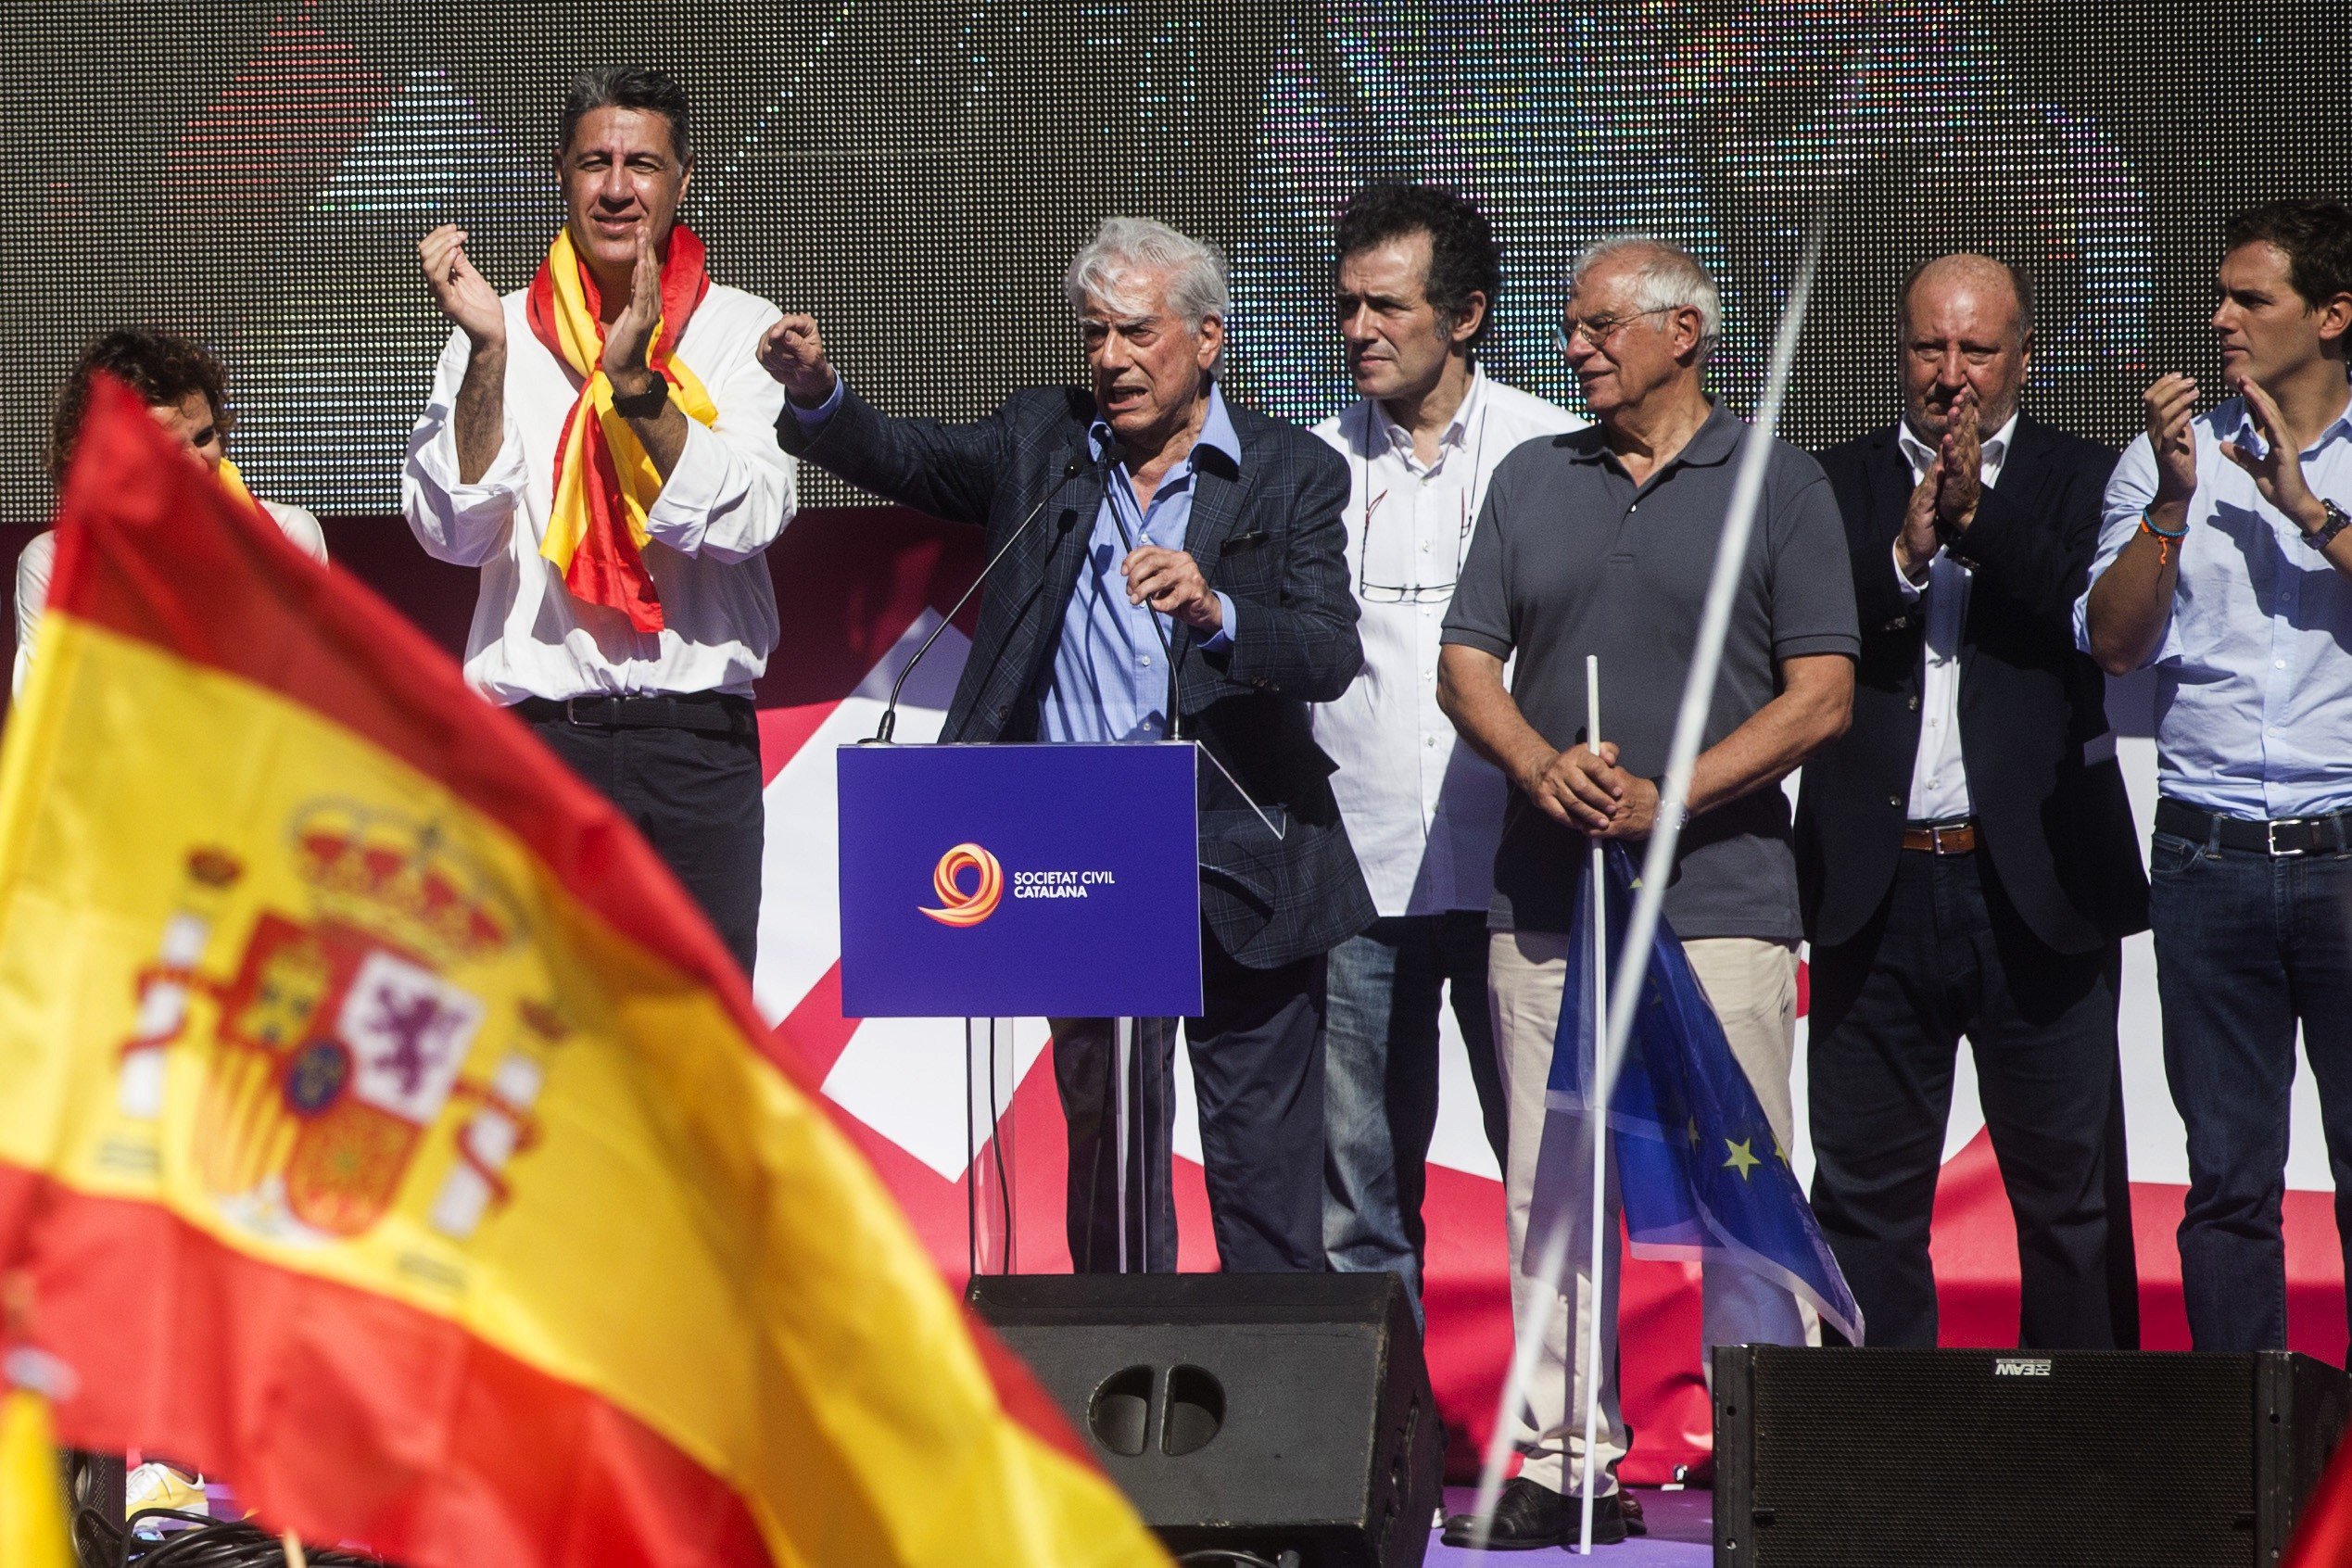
(1418, 273)
(601, 445)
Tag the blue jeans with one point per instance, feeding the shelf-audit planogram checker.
(2247, 946)
(1380, 1082)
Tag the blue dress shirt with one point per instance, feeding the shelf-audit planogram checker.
(2254, 673)
(1109, 680)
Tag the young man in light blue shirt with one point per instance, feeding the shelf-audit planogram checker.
(2225, 562)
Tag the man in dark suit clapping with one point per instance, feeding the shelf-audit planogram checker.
(1159, 499)
(1966, 853)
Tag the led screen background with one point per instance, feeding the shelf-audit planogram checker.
(917, 174)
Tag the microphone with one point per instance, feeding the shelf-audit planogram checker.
(888, 727)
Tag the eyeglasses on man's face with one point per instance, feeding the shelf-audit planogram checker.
(1598, 330)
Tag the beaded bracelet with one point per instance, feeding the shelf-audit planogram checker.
(2164, 540)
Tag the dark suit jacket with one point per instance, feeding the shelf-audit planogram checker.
(1270, 535)
(2049, 797)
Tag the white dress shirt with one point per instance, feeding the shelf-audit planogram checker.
(1424, 812)
(1939, 778)
(39, 559)
(726, 501)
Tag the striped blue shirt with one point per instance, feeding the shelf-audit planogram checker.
(1109, 680)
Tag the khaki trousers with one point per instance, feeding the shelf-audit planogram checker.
(1751, 984)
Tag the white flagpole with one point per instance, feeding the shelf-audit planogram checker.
(1698, 698)
(1596, 1117)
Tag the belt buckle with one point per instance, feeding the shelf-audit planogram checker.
(2271, 836)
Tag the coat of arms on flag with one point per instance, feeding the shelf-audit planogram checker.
(345, 1033)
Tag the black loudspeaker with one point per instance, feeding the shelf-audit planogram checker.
(1984, 1459)
(1265, 1414)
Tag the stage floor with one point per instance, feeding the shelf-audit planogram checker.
(1681, 1535)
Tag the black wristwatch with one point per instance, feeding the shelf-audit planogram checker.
(647, 404)
(2338, 520)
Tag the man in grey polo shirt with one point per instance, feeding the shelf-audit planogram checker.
(1600, 542)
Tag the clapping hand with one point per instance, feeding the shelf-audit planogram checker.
(2277, 472)
(1960, 463)
(2171, 403)
(630, 336)
(1915, 547)
(463, 295)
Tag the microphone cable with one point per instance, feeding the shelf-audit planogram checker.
(206, 1542)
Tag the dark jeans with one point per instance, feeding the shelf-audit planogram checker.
(1258, 1074)
(696, 798)
(1380, 1089)
(2247, 946)
(1947, 955)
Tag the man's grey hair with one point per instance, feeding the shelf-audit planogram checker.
(1666, 277)
(1124, 249)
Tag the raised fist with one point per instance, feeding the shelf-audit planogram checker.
(794, 352)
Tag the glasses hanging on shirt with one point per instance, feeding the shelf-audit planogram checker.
(1372, 592)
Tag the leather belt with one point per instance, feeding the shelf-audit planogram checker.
(2285, 835)
(705, 712)
(1942, 838)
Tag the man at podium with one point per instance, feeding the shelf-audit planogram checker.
(1169, 528)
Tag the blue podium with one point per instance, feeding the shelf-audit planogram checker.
(998, 882)
(991, 882)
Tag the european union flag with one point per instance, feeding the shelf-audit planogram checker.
(1700, 1173)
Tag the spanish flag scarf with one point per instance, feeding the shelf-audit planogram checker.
(604, 480)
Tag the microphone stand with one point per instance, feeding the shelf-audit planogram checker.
(889, 724)
(884, 731)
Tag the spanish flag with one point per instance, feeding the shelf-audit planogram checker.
(384, 1131)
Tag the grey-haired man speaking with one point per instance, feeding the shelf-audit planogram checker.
(1240, 548)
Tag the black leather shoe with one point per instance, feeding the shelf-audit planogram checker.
(1631, 1507)
(1529, 1516)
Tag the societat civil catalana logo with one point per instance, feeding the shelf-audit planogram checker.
(966, 905)
(959, 907)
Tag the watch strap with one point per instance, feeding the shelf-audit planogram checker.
(645, 404)
(2338, 520)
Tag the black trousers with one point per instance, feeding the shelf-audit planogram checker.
(1257, 1073)
(1947, 955)
(696, 797)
